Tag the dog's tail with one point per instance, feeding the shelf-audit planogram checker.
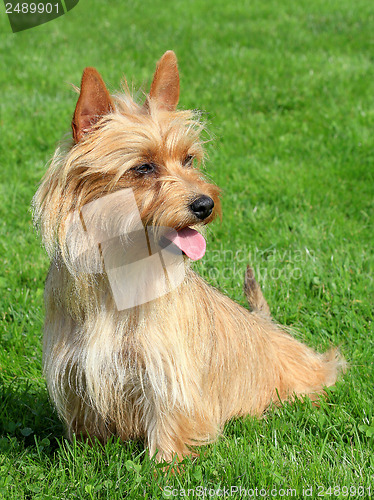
(253, 293)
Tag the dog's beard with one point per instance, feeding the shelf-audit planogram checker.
(141, 263)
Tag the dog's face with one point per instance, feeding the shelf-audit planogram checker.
(152, 149)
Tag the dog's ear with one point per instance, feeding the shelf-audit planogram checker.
(165, 84)
(93, 103)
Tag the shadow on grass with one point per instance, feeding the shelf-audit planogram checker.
(26, 415)
(28, 420)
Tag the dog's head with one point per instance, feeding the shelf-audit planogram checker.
(152, 149)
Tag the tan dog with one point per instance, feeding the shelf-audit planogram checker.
(175, 368)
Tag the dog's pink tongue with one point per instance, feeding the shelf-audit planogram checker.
(191, 242)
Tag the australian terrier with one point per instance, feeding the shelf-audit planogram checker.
(136, 344)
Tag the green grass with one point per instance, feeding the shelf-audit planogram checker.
(288, 88)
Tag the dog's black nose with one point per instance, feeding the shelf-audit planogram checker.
(202, 207)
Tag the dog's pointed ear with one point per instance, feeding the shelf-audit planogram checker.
(94, 102)
(165, 85)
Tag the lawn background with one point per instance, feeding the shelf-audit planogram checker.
(288, 90)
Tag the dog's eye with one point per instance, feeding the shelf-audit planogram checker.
(147, 168)
(187, 162)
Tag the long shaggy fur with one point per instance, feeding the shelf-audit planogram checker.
(175, 369)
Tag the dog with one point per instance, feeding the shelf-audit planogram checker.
(124, 354)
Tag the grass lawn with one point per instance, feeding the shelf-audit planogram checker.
(288, 90)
